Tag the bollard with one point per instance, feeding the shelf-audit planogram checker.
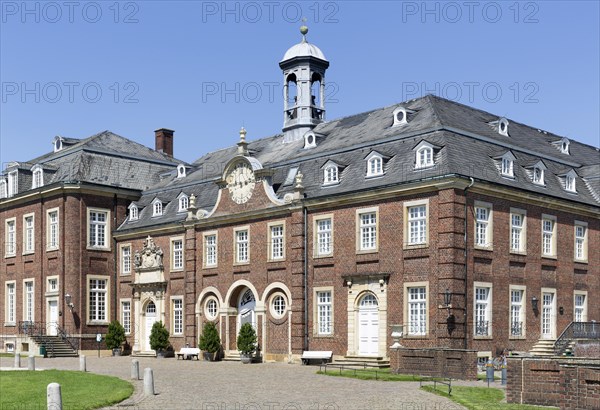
(148, 382)
(82, 367)
(54, 398)
(135, 369)
(31, 362)
(17, 360)
(504, 375)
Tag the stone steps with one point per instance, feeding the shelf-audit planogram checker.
(364, 361)
(55, 346)
(544, 347)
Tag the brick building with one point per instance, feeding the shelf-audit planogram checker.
(327, 234)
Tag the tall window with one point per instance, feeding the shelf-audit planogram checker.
(183, 203)
(517, 232)
(97, 300)
(3, 189)
(424, 157)
(52, 230)
(38, 178)
(177, 253)
(548, 239)
(368, 231)
(324, 237)
(133, 213)
(580, 241)
(417, 225)
(580, 313)
(177, 316)
(241, 246)
(157, 208)
(375, 166)
(507, 167)
(98, 229)
(10, 303)
(324, 312)
(516, 312)
(11, 248)
(210, 256)
(126, 316)
(276, 242)
(330, 174)
(570, 183)
(126, 260)
(482, 226)
(538, 175)
(29, 304)
(482, 311)
(13, 183)
(417, 311)
(28, 234)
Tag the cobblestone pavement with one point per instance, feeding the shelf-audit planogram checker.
(186, 384)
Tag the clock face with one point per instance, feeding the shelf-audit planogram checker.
(240, 183)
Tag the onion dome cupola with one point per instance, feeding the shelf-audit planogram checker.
(304, 67)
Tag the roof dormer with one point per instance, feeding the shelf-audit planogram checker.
(183, 202)
(331, 173)
(375, 162)
(563, 145)
(569, 181)
(37, 176)
(505, 164)
(133, 212)
(310, 139)
(181, 171)
(157, 207)
(425, 154)
(501, 126)
(537, 173)
(57, 143)
(401, 116)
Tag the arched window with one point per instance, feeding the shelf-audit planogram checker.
(3, 189)
(538, 175)
(507, 167)
(157, 208)
(38, 177)
(183, 203)
(133, 212)
(330, 175)
(375, 166)
(180, 171)
(368, 300)
(570, 182)
(424, 157)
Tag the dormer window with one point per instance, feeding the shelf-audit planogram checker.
(505, 164)
(570, 181)
(310, 140)
(537, 176)
(13, 183)
(401, 116)
(183, 203)
(424, 155)
(375, 166)
(330, 175)
(180, 171)
(563, 145)
(133, 212)
(157, 208)
(3, 189)
(38, 177)
(507, 167)
(57, 144)
(503, 127)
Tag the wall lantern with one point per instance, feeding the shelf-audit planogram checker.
(534, 303)
(69, 302)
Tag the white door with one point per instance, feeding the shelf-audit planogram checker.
(368, 326)
(246, 308)
(150, 319)
(52, 328)
(548, 315)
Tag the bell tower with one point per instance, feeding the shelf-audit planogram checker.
(304, 67)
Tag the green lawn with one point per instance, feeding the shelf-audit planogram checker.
(370, 374)
(27, 389)
(480, 398)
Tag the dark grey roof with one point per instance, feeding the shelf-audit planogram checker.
(465, 144)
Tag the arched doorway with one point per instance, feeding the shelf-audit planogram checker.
(149, 321)
(368, 325)
(246, 307)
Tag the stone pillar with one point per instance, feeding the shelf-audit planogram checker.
(148, 382)
(135, 369)
(82, 365)
(53, 397)
(31, 362)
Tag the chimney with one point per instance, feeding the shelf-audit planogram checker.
(164, 141)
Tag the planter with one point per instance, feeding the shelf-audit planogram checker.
(117, 352)
(209, 356)
(162, 354)
(246, 358)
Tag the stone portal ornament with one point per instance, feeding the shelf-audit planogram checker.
(151, 255)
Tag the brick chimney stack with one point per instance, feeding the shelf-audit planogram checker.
(164, 141)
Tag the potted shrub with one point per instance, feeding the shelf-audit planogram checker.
(159, 339)
(210, 342)
(246, 342)
(115, 337)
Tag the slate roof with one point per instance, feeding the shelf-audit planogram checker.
(104, 159)
(467, 145)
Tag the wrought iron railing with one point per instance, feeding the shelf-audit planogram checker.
(39, 329)
(576, 330)
(70, 340)
(482, 328)
(516, 329)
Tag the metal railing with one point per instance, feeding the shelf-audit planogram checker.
(39, 330)
(516, 329)
(482, 328)
(576, 330)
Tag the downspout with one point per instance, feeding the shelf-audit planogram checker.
(466, 264)
(115, 258)
(305, 278)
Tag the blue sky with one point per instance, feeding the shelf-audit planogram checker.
(205, 68)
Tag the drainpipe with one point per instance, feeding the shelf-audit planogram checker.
(116, 307)
(466, 264)
(305, 279)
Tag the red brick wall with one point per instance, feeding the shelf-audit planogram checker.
(453, 363)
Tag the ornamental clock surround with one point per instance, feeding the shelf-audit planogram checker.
(241, 182)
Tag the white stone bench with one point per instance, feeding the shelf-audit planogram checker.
(324, 356)
(188, 353)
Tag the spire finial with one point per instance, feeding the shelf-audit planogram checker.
(304, 29)
(243, 134)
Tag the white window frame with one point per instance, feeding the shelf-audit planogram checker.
(484, 228)
(554, 311)
(323, 236)
(177, 253)
(53, 229)
(570, 183)
(157, 208)
(323, 308)
(211, 255)
(331, 175)
(580, 310)
(487, 311)
(178, 324)
(13, 183)
(28, 233)
(126, 315)
(275, 305)
(100, 225)
(411, 222)
(134, 212)
(507, 167)
(375, 165)
(580, 251)
(52, 285)
(424, 157)
(10, 315)
(29, 300)
(522, 313)
(416, 330)
(276, 243)
(548, 243)
(207, 308)
(518, 231)
(10, 241)
(366, 244)
(125, 258)
(37, 179)
(105, 292)
(183, 202)
(241, 245)
(538, 179)
(3, 188)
